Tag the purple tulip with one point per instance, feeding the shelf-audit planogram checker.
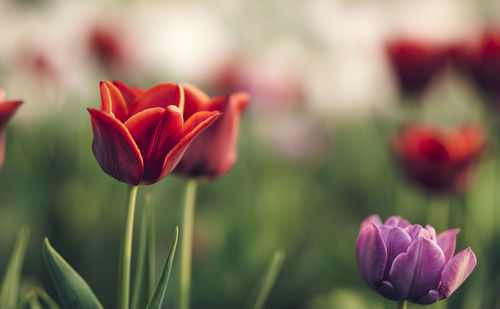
(401, 261)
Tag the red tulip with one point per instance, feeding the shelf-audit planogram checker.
(481, 60)
(213, 153)
(107, 46)
(139, 137)
(438, 160)
(7, 110)
(415, 63)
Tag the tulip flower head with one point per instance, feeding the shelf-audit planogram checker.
(401, 261)
(439, 161)
(415, 63)
(7, 110)
(139, 137)
(213, 153)
(480, 59)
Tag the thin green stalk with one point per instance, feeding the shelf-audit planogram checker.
(269, 279)
(126, 252)
(402, 304)
(187, 243)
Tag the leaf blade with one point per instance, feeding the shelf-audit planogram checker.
(72, 289)
(161, 289)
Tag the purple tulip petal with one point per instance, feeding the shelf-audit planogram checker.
(387, 290)
(430, 298)
(457, 270)
(396, 221)
(431, 231)
(368, 221)
(418, 270)
(371, 254)
(397, 242)
(414, 231)
(447, 241)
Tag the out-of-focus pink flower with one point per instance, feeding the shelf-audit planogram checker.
(415, 63)
(439, 160)
(7, 110)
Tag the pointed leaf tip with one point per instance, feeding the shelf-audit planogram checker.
(73, 291)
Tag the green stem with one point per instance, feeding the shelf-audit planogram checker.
(126, 252)
(187, 243)
(402, 304)
(269, 279)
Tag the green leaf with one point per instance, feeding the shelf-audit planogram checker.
(9, 292)
(73, 291)
(161, 289)
(143, 286)
(267, 281)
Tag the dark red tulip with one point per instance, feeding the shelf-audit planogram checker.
(139, 137)
(440, 161)
(7, 110)
(213, 153)
(415, 63)
(481, 61)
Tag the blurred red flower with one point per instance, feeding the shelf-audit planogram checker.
(480, 60)
(139, 137)
(415, 63)
(108, 46)
(7, 110)
(213, 153)
(440, 161)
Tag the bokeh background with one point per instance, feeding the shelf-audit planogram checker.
(314, 150)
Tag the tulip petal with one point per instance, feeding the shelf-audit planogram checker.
(129, 93)
(397, 242)
(156, 131)
(214, 152)
(418, 270)
(375, 219)
(161, 95)
(387, 290)
(371, 254)
(195, 100)
(7, 110)
(192, 128)
(115, 150)
(430, 298)
(457, 270)
(396, 221)
(112, 101)
(447, 241)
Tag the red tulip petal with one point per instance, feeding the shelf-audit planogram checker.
(192, 128)
(115, 150)
(161, 95)
(156, 131)
(7, 109)
(128, 93)
(112, 101)
(195, 100)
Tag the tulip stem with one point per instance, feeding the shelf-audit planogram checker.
(402, 304)
(126, 252)
(187, 243)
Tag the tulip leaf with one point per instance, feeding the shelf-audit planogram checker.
(9, 291)
(73, 291)
(144, 278)
(161, 289)
(264, 288)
